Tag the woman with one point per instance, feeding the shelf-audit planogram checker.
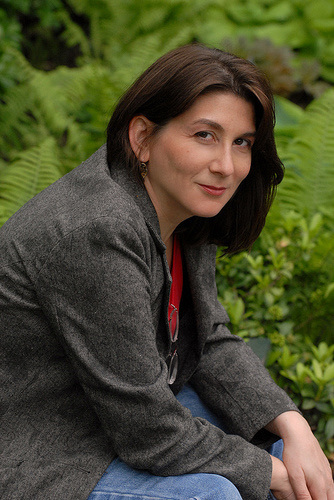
(110, 322)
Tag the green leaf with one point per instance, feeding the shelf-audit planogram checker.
(317, 369)
(324, 407)
(288, 114)
(328, 373)
(308, 391)
(329, 290)
(273, 356)
(288, 374)
(302, 372)
(236, 311)
(329, 428)
(308, 404)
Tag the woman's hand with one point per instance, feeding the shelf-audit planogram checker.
(307, 467)
(280, 483)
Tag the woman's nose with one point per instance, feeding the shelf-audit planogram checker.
(223, 164)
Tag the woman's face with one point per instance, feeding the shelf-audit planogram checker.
(198, 160)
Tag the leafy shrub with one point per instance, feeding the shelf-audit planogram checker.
(306, 372)
(285, 282)
(282, 291)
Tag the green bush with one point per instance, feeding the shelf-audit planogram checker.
(306, 372)
(282, 291)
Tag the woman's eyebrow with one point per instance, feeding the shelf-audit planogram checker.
(210, 123)
(218, 127)
(249, 134)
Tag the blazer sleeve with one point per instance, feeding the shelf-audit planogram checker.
(230, 377)
(95, 288)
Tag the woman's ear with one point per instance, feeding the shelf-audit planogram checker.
(139, 131)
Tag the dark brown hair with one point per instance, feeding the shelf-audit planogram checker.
(167, 89)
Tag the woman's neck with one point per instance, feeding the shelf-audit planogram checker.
(169, 250)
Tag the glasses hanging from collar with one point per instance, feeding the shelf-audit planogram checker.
(173, 358)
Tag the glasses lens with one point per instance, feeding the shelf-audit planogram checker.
(172, 370)
(174, 324)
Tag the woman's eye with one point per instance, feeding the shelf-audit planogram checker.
(243, 142)
(204, 135)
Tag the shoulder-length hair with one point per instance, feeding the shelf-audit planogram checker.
(167, 89)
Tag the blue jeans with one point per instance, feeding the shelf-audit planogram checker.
(121, 482)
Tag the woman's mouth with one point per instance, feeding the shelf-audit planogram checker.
(213, 190)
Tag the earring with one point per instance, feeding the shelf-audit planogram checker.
(143, 169)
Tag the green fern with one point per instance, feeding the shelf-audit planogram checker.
(72, 105)
(74, 35)
(29, 111)
(309, 160)
(288, 117)
(33, 171)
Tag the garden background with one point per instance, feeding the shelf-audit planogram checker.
(64, 64)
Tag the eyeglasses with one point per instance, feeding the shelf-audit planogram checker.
(173, 358)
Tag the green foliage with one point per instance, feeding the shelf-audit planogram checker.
(284, 291)
(28, 175)
(106, 30)
(71, 105)
(309, 160)
(284, 286)
(288, 118)
(10, 37)
(306, 372)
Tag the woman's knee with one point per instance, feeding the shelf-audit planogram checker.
(213, 487)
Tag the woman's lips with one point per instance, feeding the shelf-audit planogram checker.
(213, 190)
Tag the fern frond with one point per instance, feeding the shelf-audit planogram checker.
(74, 34)
(13, 113)
(91, 45)
(33, 171)
(23, 69)
(49, 104)
(309, 160)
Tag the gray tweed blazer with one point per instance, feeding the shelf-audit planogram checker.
(84, 286)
